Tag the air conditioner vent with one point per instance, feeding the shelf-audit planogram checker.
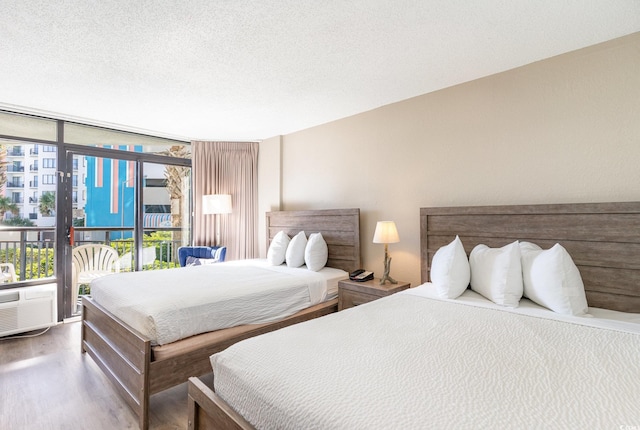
(9, 296)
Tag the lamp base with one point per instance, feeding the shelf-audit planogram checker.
(386, 278)
(387, 267)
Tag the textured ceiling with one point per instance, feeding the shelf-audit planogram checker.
(245, 70)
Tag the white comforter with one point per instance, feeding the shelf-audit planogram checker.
(411, 362)
(168, 305)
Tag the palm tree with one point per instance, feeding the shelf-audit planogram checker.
(47, 203)
(174, 176)
(6, 205)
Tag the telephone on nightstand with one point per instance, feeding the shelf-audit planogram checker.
(361, 275)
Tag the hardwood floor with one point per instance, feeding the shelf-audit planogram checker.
(47, 383)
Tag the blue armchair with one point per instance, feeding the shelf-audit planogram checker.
(215, 252)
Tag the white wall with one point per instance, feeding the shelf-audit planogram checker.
(562, 130)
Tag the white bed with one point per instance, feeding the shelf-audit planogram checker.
(413, 361)
(174, 304)
(139, 369)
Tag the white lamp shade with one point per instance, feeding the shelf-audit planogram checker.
(386, 232)
(216, 204)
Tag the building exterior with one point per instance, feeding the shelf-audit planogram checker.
(32, 171)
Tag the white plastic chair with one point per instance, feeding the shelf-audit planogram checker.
(90, 262)
(7, 273)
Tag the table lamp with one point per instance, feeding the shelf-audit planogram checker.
(386, 232)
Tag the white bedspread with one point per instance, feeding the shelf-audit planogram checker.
(168, 305)
(411, 362)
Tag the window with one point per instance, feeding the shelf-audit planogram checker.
(74, 180)
(48, 179)
(48, 148)
(49, 163)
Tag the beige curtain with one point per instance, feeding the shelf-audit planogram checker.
(227, 168)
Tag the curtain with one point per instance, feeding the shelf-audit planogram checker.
(227, 168)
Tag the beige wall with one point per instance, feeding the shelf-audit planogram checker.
(269, 185)
(562, 130)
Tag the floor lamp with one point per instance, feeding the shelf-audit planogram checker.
(216, 204)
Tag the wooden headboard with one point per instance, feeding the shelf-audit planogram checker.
(602, 238)
(340, 228)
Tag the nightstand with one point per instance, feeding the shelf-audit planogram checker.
(352, 293)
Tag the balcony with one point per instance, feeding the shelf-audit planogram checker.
(33, 168)
(17, 200)
(33, 200)
(16, 153)
(34, 152)
(32, 249)
(15, 184)
(33, 216)
(33, 184)
(15, 169)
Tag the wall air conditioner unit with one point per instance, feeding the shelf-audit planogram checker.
(28, 308)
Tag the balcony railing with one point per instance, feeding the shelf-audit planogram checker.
(31, 250)
(15, 153)
(15, 184)
(15, 169)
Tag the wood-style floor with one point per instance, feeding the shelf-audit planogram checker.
(47, 383)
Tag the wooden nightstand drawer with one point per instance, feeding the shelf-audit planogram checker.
(349, 299)
(352, 293)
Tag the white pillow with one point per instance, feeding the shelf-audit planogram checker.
(526, 246)
(551, 279)
(450, 272)
(496, 273)
(295, 250)
(278, 249)
(194, 261)
(316, 252)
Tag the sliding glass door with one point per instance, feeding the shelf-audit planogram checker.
(64, 185)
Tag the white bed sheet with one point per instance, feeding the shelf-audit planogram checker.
(168, 305)
(408, 361)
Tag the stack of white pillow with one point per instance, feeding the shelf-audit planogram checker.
(549, 277)
(298, 251)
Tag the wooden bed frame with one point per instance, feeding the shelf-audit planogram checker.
(127, 357)
(602, 238)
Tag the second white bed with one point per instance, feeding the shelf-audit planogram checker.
(409, 361)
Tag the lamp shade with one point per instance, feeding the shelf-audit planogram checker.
(386, 232)
(216, 204)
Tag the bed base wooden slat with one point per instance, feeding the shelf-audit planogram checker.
(122, 353)
(208, 411)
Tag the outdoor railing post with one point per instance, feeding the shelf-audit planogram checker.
(23, 255)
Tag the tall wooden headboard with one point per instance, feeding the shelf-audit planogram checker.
(340, 228)
(602, 238)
